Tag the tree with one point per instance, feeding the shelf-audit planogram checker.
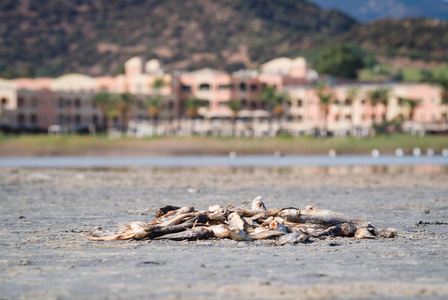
(192, 106)
(412, 104)
(107, 104)
(380, 96)
(325, 96)
(235, 106)
(443, 82)
(158, 84)
(275, 102)
(153, 104)
(339, 60)
(124, 104)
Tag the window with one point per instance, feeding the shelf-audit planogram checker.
(20, 102)
(33, 119)
(204, 87)
(77, 103)
(61, 103)
(243, 86)
(186, 88)
(77, 119)
(348, 102)
(348, 118)
(21, 119)
(253, 87)
(299, 103)
(34, 102)
(3, 102)
(223, 87)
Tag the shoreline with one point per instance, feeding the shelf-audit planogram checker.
(95, 146)
(45, 211)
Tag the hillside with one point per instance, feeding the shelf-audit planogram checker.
(422, 39)
(52, 37)
(369, 10)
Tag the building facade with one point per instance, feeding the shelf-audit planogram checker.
(67, 101)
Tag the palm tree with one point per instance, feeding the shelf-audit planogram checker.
(443, 82)
(107, 104)
(275, 102)
(124, 104)
(158, 84)
(412, 104)
(235, 106)
(380, 96)
(153, 104)
(192, 106)
(325, 95)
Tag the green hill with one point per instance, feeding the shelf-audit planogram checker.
(52, 37)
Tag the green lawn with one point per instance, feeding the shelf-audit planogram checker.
(410, 74)
(41, 145)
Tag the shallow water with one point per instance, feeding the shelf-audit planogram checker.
(221, 161)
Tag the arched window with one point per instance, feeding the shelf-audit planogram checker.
(243, 86)
(77, 103)
(3, 102)
(33, 119)
(204, 87)
(348, 102)
(20, 102)
(21, 119)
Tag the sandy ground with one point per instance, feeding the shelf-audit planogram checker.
(43, 213)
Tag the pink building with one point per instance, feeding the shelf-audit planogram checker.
(68, 100)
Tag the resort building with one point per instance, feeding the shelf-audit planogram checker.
(161, 102)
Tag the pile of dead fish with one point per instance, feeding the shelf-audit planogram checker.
(281, 225)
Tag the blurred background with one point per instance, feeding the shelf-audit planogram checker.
(142, 76)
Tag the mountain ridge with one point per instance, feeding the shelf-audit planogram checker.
(370, 10)
(54, 37)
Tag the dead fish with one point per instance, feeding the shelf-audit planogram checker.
(235, 221)
(276, 225)
(331, 231)
(99, 232)
(217, 213)
(197, 233)
(165, 209)
(291, 238)
(364, 233)
(128, 232)
(177, 219)
(221, 231)
(348, 229)
(257, 204)
(267, 234)
(290, 215)
(385, 232)
(258, 230)
(239, 236)
(328, 217)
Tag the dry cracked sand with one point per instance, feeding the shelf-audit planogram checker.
(43, 213)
